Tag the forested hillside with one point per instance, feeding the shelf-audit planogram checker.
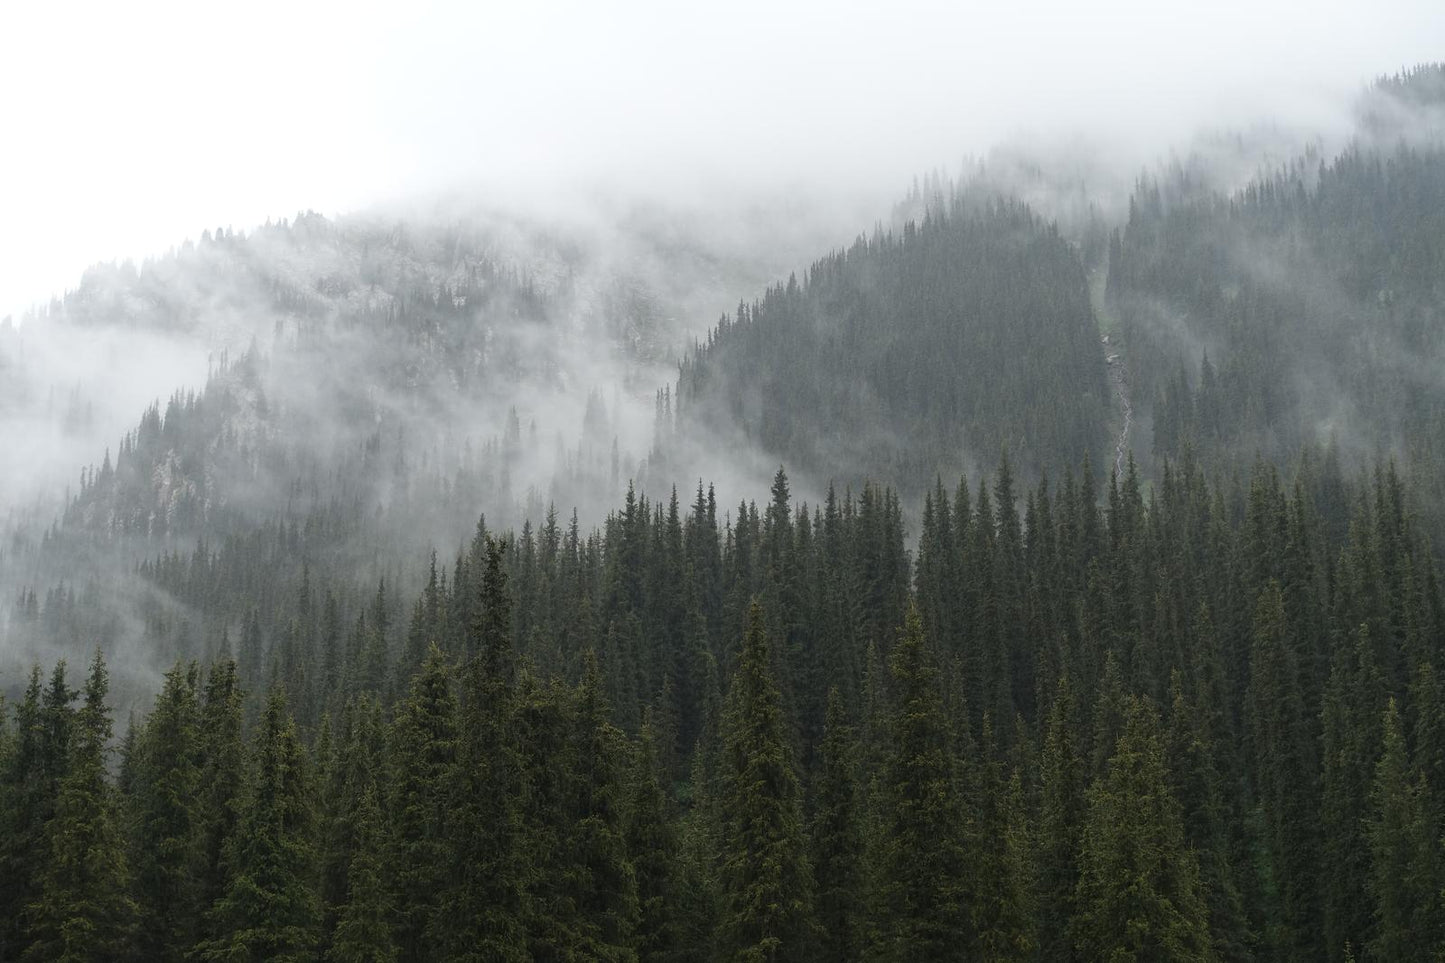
(912, 354)
(1096, 613)
(376, 382)
(1305, 307)
(1205, 725)
(420, 336)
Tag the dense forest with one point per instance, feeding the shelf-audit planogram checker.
(913, 354)
(1096, 613)
(1205, 724)
(1306, 306)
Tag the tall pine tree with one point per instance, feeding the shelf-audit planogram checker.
(1139, 895)
(271, 909)
(1405, 880)
(924, 873)
(84, 911)
(166, 830)
(767, 882)
(838, 842)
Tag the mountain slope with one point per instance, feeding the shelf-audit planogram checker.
(911, 355)
(1305, 309)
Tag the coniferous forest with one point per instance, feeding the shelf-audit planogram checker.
(1090, 607)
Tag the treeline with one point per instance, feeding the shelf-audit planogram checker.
(1201, 724)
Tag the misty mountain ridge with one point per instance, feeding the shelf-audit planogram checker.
(592, 317)
(1041, 564)
(408, 375)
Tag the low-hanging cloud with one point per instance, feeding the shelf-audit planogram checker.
(161, 117)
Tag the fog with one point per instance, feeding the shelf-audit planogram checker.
(640, 169)
(406, 370)
(130, 128)
(67, 394)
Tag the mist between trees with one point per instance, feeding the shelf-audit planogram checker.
(428, 642)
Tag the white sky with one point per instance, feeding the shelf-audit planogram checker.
(128, 127)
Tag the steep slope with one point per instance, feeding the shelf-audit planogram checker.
(1304, 309)
(911, 355)
(375, 384)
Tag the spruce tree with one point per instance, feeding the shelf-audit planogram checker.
(331, 810)
(1196, 783)
(271, 910)
(364, 931)
(924, 872)
(165, 814)
(83, 911)
(481, 915)
(838, 842)
(220, 785)
(422, 753)
(346, 776)
(606, 884)
(1351, 710)
(1063, 807)
(544, 838)
(766, 879)
(1405, 881)
(652, 847)
(30, 788)
(696, 876)
(1139, 895)
(1001, 913)
(1286, 773)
